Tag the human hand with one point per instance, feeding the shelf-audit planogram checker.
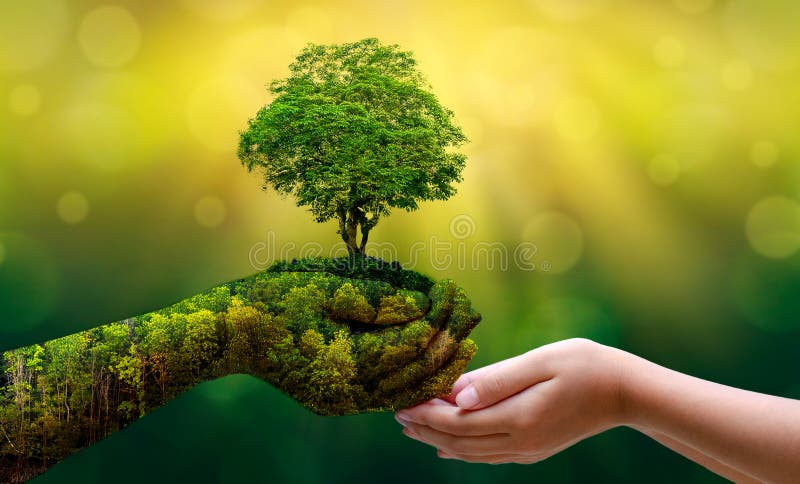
(527, 408)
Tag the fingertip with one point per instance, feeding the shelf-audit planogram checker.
(462, 382)
(468, 398)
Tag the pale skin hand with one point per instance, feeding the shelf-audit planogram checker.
(537, 404)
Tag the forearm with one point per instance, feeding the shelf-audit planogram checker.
(695, 455)
(63, 395)
(756, 434)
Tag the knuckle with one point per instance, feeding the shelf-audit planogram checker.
(492, 385)
(453, 424)
(417, 416)
(581, 343)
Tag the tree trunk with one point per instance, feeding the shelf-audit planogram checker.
(364, 238)
(348, 229)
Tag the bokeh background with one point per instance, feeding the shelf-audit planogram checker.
(649, 150)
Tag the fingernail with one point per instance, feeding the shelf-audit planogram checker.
(402, 419)
(467, 398)
(439, 401)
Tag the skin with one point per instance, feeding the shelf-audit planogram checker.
(530, 407)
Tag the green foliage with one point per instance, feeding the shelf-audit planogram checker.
(314, 334)
(353, 132)
(349, 304)
(401, 307)
(303, 308)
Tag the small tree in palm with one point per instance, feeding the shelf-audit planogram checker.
(353, 132)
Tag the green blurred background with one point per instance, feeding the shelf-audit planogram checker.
(647, 149)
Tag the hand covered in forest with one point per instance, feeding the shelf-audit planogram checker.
(524, 409)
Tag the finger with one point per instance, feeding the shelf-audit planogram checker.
(452, 444)
(469, 377)
(486, 459)
(453, 420)
(502, 381)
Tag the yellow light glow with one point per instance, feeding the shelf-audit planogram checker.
(664, 170)
(101, 134)
(669, 51)
(109, 36)
(737, 75)
(693, 6)
(221, 10)
(569, 10)
(764, 153)
(310, 22)
(210, 212)
(219, 108)
(773, 227)
(24, 100)
(72, 207)
(576, 119)
(31, 32)
(558, 240)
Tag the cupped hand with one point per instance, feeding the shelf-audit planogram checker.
(524, 409)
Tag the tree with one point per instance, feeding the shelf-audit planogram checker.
(353, 132)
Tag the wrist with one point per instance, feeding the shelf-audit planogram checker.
(633, 376)
(623, 369)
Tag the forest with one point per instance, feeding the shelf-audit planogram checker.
(338, 339)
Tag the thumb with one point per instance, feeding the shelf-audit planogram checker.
(489, 385)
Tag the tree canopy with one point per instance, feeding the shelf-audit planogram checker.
(352, 132)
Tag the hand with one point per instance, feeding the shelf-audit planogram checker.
(524, 409)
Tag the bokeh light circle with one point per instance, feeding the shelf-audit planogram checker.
(219, 109)
(737, 75)
(764, 153)
(558, 240)
(773, 227)
(576, 119)
(24, 100)
(210, 212)
(763, 33)
(664, 170)
(72, 207)
(31, 32)
(109, 36)
(29, 282)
